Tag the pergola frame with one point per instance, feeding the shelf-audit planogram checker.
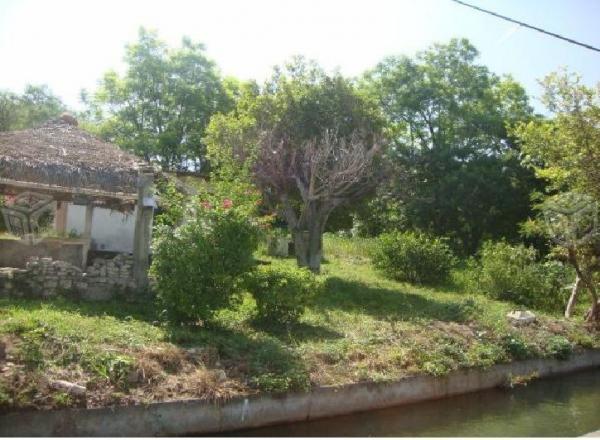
(133, 186)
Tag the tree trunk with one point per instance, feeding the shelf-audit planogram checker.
(587, 278)
(308, 246)
(573, 297)
(593, 314)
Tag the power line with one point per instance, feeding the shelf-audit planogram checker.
(520, 23)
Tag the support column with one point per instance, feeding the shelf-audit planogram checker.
(61, 218)
(143, 228)
(89, 214)
(87, 231)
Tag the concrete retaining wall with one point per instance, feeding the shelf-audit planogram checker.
(200, 417)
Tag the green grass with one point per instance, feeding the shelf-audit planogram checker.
(361, 327)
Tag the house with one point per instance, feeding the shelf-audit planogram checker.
(67, 194)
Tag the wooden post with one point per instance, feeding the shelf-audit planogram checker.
(143, 228)
(87, 231)
(89, 214)
(61, 218)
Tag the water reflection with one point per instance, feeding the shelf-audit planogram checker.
(561, 406)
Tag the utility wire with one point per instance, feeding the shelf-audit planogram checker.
(520, 23)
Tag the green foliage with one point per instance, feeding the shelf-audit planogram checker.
(172, 205)
(456, 170)
(413, 257)
(379, 214)
(360, 326)
(280, 383)
(560, 347)
(564, 150)
(281, 292)
(237, 193)
(35, 106)
(198, 265)
(31, 351)
(300, 102)
(160, 108)
(516, 347)
(110, 366)
(309, 117)
(513, 273)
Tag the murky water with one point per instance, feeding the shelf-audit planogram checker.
(556, 407)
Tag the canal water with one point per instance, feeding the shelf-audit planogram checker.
(562, 406)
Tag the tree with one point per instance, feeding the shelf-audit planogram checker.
(565, 151)
(326, 172)
(35, 106)
(160, 108)
(9, 104)
(307, 140)
(447, 117)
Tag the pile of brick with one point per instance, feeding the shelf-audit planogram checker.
(45, 277)
(106, 276)
(12, 280)
(49, 277)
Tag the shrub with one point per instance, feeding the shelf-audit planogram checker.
(281, 292)
(513, 273)
(560, 347)
(516, 347)
(198, 266)
(413, 257)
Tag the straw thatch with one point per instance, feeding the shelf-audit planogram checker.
(60, 154)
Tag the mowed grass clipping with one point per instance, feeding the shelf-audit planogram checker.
(361, 327)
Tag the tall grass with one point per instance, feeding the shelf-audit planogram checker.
(354, 249)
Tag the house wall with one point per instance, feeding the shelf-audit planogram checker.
(111, 230)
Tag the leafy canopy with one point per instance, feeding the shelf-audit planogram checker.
(448, 118)
(160, 108)
(34, 106)
(565, 149)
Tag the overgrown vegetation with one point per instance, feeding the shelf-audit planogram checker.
(413, 257)
(359, 327)
(281, 292)
(199, 265)
(33, 107)
(515, 273)
(431, 171)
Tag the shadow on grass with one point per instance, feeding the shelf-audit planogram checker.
(267, 362)
(389, 304)
(295, 332)
(263, 360)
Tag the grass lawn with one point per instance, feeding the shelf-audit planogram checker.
(362, 327)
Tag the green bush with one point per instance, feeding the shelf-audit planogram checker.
(513, 273)
(560, 347)
(516, 347)
(281, 292)
(413, 257)
(199, 265)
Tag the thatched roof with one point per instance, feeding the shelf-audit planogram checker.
(60, 154)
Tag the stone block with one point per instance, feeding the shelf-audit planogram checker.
(520, 317)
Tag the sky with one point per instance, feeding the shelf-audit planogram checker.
(68, 45)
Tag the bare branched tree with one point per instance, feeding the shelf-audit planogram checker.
(307, 182)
